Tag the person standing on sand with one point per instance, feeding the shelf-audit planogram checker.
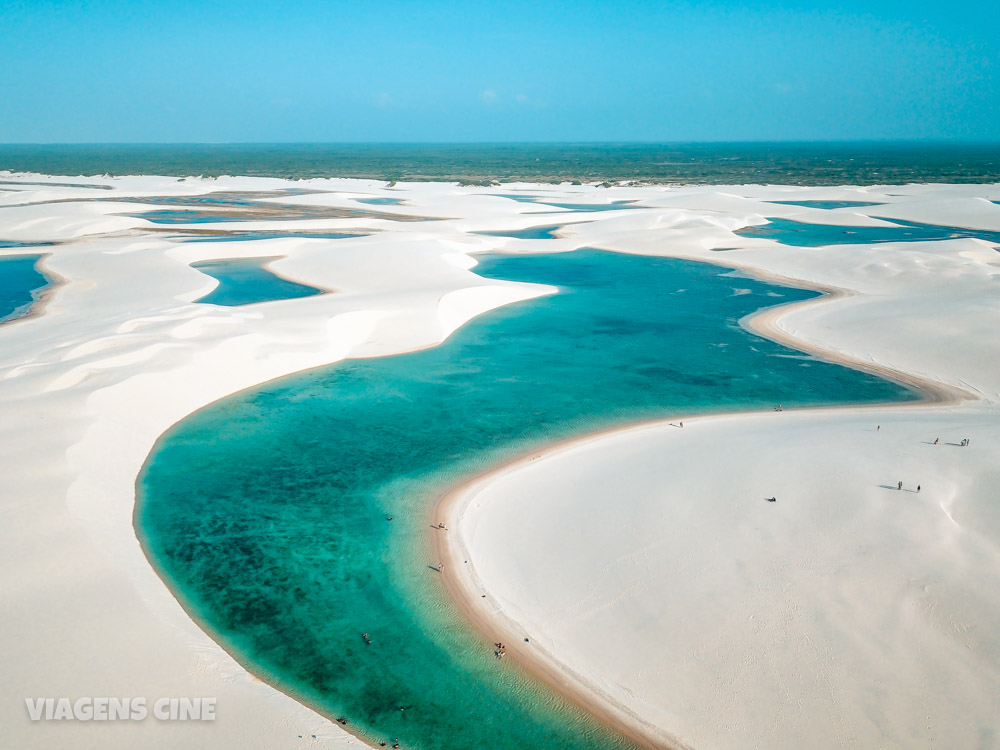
(918, 488)
(899, 486)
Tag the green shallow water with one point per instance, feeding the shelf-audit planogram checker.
(267, 511)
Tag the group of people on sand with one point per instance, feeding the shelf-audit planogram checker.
(500, 650)
(964, 443)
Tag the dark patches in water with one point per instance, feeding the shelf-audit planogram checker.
(267, 510)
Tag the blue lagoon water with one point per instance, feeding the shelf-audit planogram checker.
(803, 234)
(237, 206)
(380, 201)
(547, 232)
(21, 283)
(15, 243)
(267, 511)
(579, 207)
(827, 205)
(590, 207)
(268, 234)
(245, 281)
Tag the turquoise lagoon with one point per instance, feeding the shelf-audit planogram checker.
(547, 232)
(803, 234)
(540, 200)
(380, 201)
(267, 511)
(21, 283)
(245, 281)
(827, 205)
(269, 234)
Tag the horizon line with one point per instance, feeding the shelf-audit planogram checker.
(856, 141)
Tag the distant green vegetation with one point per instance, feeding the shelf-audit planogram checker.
(484, 164)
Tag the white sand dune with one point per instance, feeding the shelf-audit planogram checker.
(647, 567)
(872, 609)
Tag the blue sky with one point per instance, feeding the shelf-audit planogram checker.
(516, 71)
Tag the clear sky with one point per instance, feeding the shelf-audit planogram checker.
(503, 71)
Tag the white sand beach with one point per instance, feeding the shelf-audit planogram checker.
(650, 574)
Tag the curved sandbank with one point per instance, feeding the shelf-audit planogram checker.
(542, 492)
(101, 369)
(495, 624)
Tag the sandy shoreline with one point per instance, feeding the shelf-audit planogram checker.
(486, 615)
(491, 616)
(43, 295)
(120, 354)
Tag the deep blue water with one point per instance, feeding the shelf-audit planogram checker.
(802, 234)
(267, 511)
(21, 283)
(245, 281)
